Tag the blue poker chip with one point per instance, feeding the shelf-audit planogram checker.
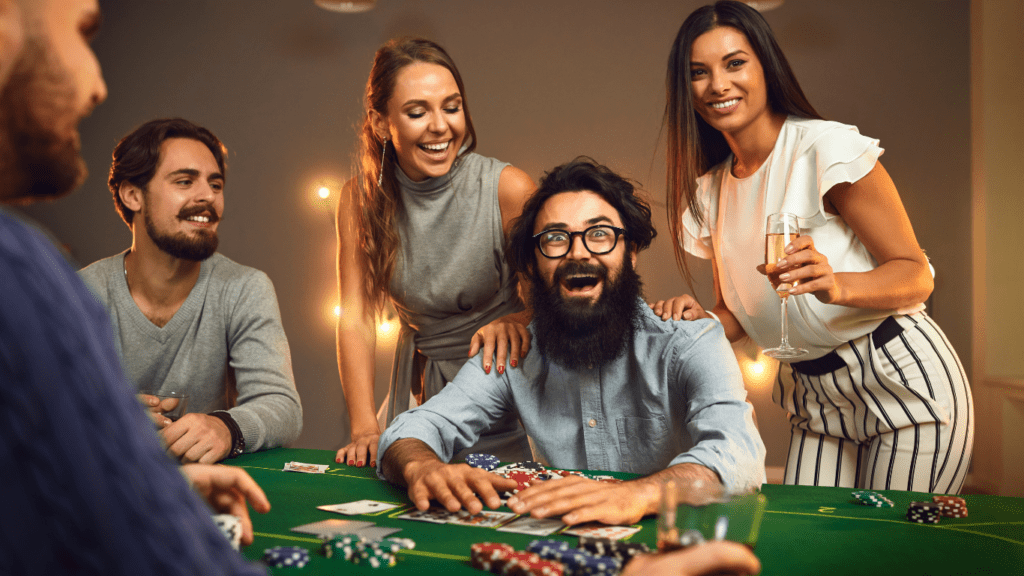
(529, 465)
(484, 461)
(282, 556)
(549, 549)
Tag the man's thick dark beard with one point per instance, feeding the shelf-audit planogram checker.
(38, 162)
(578, 335)
(181, 246)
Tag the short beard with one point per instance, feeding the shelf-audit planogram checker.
(37, 160)
(180, 245)
(579, 335)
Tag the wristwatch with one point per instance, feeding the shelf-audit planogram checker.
(237, 441)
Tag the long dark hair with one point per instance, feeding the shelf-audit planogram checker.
(378, 205)
(694, 147)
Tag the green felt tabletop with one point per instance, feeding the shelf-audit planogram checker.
(805, 530)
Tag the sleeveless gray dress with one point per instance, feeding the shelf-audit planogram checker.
(450, 280)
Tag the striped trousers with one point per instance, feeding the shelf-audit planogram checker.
(892, 415)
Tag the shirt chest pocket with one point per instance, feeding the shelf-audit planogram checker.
(644, 443)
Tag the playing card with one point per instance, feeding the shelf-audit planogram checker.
(434, 515)
(359, 507)
(332, 527)
(231, 527)
(598, 530)
(376, 532)
(307, 468)
(484, 519)
(533, 526)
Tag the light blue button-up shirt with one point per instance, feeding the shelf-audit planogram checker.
(674, 396)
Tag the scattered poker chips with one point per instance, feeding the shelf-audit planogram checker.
(549, 549)
(924, 512)
(485, 461)
(490, 556)
(286, 556)
(529, 465)
(871, 498)
(951, 506)
(231, 527)
(623, 551)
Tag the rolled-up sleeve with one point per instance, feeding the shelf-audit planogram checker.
(454, 418)
(719, 420)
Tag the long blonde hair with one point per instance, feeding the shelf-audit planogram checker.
(378, 205)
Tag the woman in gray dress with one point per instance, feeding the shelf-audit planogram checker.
(422, 224)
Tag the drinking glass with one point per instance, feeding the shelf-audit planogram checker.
(173, 403)
(692, 512)
(782, 229)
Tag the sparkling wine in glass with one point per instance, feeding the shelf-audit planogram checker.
(782, 229)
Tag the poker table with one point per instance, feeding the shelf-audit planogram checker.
(804, 530)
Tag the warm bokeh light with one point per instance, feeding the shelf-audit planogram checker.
(337, 311)
(321, 191)
(758, 370)
(324, 192)
(385, 328)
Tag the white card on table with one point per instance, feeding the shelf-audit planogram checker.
(483, 519)
(598, 530)
(332, 527)
(359, 507)
(533, 526)
(377, 532)
(307, 468)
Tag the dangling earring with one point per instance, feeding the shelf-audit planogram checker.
(383, 154)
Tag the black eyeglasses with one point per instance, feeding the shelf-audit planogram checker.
(600, 239)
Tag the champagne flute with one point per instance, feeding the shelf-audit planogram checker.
(782, 229)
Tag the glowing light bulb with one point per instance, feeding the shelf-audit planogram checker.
(757, 368)
(337, 311)
(324, 192)
(384, 328)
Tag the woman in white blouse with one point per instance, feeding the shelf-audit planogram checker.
(880, 400)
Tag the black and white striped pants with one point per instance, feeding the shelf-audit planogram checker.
(890, 410)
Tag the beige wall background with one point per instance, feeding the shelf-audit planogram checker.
(281, 84)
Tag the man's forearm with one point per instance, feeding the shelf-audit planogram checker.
(400, 454)
(648, 489)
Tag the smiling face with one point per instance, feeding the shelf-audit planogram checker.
(579, 275)
(729, 90)
(425, 120)
(183, 203)
(55, 82)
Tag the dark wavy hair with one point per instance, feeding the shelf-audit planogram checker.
(137, 155)
(580, 174)
(379, 204)
(694, 147)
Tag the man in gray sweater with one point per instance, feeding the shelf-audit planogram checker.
(187, 319)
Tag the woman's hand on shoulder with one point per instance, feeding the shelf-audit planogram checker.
(503, 340)
(684, 307)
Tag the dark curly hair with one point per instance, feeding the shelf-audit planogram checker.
(580, 174)
(137, 155)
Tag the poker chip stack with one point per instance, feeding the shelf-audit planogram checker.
(286, 556)
(359, 550)
(870, 498)
(924, 512)
(485, 461)
(951, 506)
(231, 526)
(622, 551)
(490, 556)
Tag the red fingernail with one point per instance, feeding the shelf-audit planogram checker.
(360, 463)
(501, 369)
(513, 363)
(351, 462)
(487, 368)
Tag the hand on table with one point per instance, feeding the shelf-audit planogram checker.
(455, 486)
(709, 558)
(227, 489)
(804, 264)
(361, 450)
(683, 307)
(501, 340)
(155, 408)
(198, 438)
(578, 500)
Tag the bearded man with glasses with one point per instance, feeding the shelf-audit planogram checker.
(614, 387)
